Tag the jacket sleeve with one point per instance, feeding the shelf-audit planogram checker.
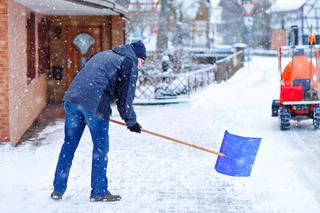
(125, 91)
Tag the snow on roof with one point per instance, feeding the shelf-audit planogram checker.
(189, 8)
(68, 7)
(215, 3)
(285, 5)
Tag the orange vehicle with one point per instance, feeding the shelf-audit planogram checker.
(299, 86)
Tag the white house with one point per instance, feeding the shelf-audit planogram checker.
(305, 14)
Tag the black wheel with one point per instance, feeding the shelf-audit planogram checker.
(285, 116)
(316, 117)
(275, 108)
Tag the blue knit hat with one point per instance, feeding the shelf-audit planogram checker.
(139, 49)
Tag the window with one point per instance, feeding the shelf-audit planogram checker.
(44, 47)
(83, 41)
(31, 48)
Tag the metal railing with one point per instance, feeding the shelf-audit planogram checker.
(167, 85)
(228, 66)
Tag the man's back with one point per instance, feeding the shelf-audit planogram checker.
(93, 84)
(94, 87)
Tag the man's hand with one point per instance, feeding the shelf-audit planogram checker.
(135, 128)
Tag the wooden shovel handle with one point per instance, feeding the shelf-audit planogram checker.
(173, 139)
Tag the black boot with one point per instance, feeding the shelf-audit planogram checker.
(105, 198)
(56, 196)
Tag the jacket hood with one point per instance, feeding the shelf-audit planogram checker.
(127, 51)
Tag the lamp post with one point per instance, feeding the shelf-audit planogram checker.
(248, 7)
(208, 5)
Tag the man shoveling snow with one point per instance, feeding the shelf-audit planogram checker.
(107, 77)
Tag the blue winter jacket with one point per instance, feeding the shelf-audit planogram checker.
(107, 77)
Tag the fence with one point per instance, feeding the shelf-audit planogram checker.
(155, 85)
(228, 66)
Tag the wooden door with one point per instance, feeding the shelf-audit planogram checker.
(82, 42)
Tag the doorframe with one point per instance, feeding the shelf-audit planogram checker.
(67, 31)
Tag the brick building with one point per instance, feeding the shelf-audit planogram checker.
(42, 44)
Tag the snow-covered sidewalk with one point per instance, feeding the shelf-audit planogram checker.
(153, 175)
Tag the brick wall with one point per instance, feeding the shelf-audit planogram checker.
(4, 99)
(20, 101)
(26, 100)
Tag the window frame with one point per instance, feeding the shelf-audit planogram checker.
(44, 46)
(31, 47)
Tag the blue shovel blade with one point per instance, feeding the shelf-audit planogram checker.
(240, 153)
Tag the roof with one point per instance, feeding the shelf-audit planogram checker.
(284, 5)
(189, 7)
(77, 7)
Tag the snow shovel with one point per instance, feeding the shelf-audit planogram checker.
(236, 156)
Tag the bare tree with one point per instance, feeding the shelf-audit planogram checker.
(162, 39)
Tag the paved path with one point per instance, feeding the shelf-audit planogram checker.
(153, 175)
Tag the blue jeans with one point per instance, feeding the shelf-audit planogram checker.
(76, 120)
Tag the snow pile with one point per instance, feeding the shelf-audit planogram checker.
(172, 88)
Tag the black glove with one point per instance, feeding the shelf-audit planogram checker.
(135, 128)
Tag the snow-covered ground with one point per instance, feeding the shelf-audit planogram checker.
(153, 175)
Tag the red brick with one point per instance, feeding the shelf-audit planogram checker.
(4, 122)
(4, 101)
(4, 109)
(4, 135)
(3, 2)
(3, 34)
(4, 128)
(4, 138)
(3, 43)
